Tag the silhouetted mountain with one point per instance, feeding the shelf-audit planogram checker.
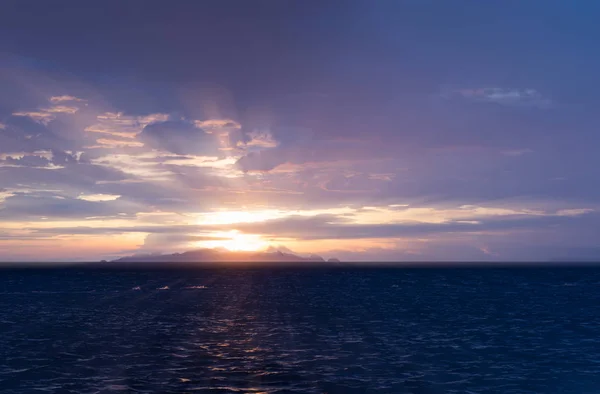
(220, 255)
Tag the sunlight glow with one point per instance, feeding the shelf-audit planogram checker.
(235, 241)
(231, 217)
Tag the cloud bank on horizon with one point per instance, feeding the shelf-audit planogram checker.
(363, 130)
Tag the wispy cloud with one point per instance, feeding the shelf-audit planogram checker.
(164, 174)
(121, 125)
(46, 115)
(37, 159)
(142, 166)
(60, 99)
(259, 139)
(160, 165)
(516, 152)
(574, 212)
(216, 125)
(112, 143)
(514, 97)
(98, 197)
(42, 117)
(4, 194)
(486, 250)
(61, 109)
(19, 155)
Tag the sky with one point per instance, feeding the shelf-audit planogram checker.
(365, 130)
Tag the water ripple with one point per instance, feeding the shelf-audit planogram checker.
(300, 331)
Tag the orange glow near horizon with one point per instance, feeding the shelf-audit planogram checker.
(236, 242)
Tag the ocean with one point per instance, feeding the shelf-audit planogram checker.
(300, 330)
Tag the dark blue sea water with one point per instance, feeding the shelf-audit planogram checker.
(266, 330)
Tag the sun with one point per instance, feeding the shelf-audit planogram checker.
(237, 242)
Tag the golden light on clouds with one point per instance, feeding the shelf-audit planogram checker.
(98, 197)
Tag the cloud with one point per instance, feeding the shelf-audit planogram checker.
(511, 97)
(46, 154)
(429, 252)
(42, 206)
(425, 233)
(217, 125)
(259, 139)
(73, 175)
(323, 227)
(266, 149)
(23, 134)
(4, 194)
(440, 184)
(46, 115)
(64, 109)
(260, 161)
(179, 137)
(574, 212)
(158, 165)
(98, 197)
(516, 152)
(118, 124)
(142, 166)
(363, 223)
(113, 143)
(60, 99)
(37, 159)
(42, 117)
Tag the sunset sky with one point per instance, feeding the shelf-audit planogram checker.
(365, 130)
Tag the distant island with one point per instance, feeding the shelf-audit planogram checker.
(223, 255)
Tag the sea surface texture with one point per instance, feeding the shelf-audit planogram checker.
(266, 330)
